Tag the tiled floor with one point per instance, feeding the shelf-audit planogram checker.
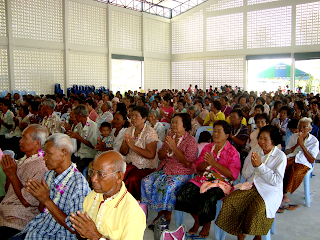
(303, 223)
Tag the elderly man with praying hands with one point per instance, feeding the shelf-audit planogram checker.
(110, 211)
(18, 206)
(61, 192)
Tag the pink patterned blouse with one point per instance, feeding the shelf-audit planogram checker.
(172, 165)
(229, 158)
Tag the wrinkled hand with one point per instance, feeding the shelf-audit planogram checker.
(171, 143)
(300, 139)
(9, 165)
(39, 190)
(210, 159)
(74, 135)
(84, 225)
(129, 140)
(255, 159)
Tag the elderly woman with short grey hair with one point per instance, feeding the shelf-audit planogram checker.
(51, 121)
(194, 112)
(158, 126)
(301, 151)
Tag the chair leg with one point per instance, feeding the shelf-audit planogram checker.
(267, 237)
(218, 232)
(273, 227)
(179, 217)
(306, 183)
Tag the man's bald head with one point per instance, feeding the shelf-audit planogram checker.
(112, 158)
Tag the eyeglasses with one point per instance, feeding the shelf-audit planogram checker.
(99, 174)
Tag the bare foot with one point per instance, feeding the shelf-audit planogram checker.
(204, 233)
(195, 228)
(242, 236)
(285, 199)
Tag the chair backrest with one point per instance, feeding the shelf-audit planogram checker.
(315, 131)
(66, 116)
(201, 129)
(166, 125)
(11, 153)
(57, 113)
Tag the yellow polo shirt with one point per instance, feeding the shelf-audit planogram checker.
(219, 116)
(122, 219)
(243, 121)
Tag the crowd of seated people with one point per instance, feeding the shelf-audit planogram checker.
(82, 166)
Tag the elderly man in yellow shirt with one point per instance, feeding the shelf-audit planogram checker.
(109, 212)
(215, 114)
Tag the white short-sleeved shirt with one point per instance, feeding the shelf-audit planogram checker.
(312, 145)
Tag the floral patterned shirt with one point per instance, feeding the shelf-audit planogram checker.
(172, 165)
(149, 135)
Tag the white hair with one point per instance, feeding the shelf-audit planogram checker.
(61, 141)
(38, 133)
(50, 103)
(306, 120)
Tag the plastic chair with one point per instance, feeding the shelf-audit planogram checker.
(166, 125)
(11, 153)
(65, 116)
(57, 113)
(306, 184)
(315, 131)
(201, 129)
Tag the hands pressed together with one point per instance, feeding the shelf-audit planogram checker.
(85, 226)
(255, 159)
(129, 140)
(9, 166)
(39, 190)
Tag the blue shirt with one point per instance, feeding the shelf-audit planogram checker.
(44, 226)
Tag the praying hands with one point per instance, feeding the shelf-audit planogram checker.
(85, 226)
(9, 165)
(39, 190)
(255, 159)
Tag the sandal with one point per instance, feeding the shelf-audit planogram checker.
(292, 207)
(281, 209)
(151, 226)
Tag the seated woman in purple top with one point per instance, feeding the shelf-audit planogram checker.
(219, 165)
